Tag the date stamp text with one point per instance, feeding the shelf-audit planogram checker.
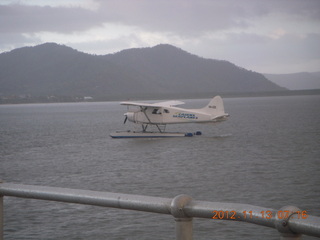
(263, 214)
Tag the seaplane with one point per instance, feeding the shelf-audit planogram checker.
(162, 113)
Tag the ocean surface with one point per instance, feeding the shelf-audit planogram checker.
(266, 154)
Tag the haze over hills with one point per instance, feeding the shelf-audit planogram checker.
(296, 81)
(57, 70)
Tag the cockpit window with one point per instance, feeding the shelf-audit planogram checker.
(166, 111)
(155, 111)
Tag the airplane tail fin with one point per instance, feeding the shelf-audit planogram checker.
(216, 108)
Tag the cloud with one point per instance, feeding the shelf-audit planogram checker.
(253, 34)
(190, 17)
(11, 41)
(181, 17)
(17, 18)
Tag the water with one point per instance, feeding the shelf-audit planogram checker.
(267, 154)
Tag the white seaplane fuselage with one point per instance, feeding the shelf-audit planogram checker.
(162, 113)
(167, 113)
(170, 115)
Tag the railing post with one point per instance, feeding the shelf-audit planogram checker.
(183, 222)
(183, 228)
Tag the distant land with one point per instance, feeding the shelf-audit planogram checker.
(54, 73)
(296, 81)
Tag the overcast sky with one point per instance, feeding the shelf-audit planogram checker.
(267, 36)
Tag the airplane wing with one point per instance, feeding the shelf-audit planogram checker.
(137, 104)
(159, 104)
(220, 117)
(169, 103)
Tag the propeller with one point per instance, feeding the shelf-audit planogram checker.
(126, 118)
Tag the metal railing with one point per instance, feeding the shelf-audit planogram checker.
(290, 221)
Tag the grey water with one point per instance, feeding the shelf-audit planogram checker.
(266, 154)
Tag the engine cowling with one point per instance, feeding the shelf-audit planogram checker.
(130, 116)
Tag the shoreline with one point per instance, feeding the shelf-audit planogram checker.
(176, 96)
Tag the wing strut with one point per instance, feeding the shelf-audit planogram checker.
(144, 127)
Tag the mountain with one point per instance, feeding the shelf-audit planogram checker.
(51, 69)
(175, 70)
(296, 81)
(57, 70)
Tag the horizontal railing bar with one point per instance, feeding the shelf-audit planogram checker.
(180, 206)
(309, 226)
(96, 198)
